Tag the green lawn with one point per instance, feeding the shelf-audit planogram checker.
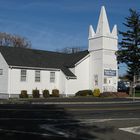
(137, 93)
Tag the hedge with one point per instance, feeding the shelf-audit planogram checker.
(35, 93)
(84, 93)
(23, 94)
(46, 93)
(55, 93)
(96, 92)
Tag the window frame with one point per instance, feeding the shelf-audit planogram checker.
(37, 76)
(52, 77)
(23, 75)
(96, 79)
(105, 80)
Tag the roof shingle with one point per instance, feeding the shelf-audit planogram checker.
(41, 59)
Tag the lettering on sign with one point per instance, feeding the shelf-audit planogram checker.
(109, 72)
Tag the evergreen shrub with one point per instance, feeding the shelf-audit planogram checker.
(46, 93)
(55, 93)
(84, 93)
(23, 94)
(35, 93)
(96, 92)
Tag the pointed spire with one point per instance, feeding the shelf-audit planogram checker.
(91, 31)
(114, 31)
(103, 25)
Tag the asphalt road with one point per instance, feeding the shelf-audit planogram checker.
(70, 121)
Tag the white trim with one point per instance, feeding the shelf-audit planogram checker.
(99, 36)
(69, 77)
(80, 61)
(103, 50)
(4, 59)
(34, 68)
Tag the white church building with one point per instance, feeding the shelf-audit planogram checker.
(28, 69)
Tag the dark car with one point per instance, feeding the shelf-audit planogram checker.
(122, 87)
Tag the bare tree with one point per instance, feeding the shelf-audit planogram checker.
(14, 41)
(69, 50)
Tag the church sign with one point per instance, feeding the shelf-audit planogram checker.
(109, 72)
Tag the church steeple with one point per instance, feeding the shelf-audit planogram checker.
(103, 38)
(103, 25)
(102, 57)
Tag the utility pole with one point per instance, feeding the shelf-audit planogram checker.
(134, 85)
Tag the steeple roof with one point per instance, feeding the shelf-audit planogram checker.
(103, 38)
(114, 31)
(91, 31)
(103, 25)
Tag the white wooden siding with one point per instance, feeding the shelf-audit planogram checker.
(4, 76)
(16, 85)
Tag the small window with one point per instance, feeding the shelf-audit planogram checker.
(96, 80)
(1, 71)
(52, 77)
(37, 76)
(23, 75)
(105, 80)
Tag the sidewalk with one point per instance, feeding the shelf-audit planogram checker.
(86, 103)
(137, 98)
(71, 100)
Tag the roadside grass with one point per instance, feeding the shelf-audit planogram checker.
(137, 94)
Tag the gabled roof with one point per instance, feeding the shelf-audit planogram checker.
(41, 59)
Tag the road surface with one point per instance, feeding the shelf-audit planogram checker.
(70, 121)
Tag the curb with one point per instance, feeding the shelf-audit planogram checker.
(73, 103)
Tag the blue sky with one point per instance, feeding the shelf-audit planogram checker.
(55, 24)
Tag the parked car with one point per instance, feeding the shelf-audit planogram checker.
(123, 87)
